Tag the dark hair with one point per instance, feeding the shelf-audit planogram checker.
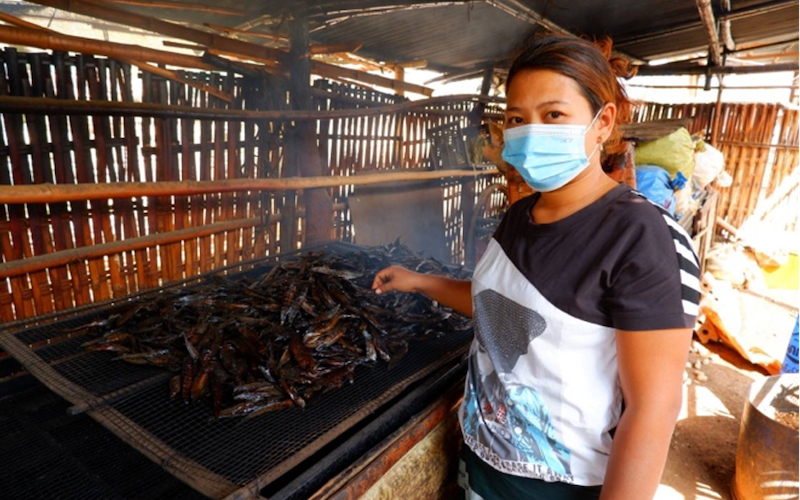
(589, 64)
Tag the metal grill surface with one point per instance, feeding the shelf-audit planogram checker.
(220, 458)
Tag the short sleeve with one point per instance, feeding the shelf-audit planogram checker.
(656, 282)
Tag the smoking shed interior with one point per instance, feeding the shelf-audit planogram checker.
(138, 181)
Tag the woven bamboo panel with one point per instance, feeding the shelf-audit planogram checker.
(169, 238)
(760, 144)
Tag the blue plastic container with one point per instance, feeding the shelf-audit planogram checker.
(790, 363)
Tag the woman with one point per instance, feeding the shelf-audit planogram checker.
(583, 303)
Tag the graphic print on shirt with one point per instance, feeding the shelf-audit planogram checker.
(619, 264)
(514, 413)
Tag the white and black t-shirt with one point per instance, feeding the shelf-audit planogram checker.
(542, 396)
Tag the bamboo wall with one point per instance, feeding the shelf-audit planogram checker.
(760, 144)
(109, 248)
(144, 242)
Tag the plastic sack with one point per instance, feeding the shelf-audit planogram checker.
(724, 179)
(727, 262)
(655, 184)
(708, 163)
(685, 202)
(674, 153)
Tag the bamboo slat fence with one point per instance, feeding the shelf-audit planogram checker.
(75, 252)
(760, 142)
(66, 254)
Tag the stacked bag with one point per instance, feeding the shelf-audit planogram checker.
(672, 170)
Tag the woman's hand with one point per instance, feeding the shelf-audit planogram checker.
(449, 292)
(396, 278)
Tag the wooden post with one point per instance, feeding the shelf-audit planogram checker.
(468, 194)
(400, 76)
(714, 139)
(710, 25)
(303, 154)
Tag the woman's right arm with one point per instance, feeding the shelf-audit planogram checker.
(456, 294)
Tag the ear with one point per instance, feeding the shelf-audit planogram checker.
(606, 121)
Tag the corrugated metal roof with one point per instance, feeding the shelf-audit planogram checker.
(451, 37)
(456, 36)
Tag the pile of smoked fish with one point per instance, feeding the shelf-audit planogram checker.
(255, 345)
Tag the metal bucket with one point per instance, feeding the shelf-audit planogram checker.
(767, 451)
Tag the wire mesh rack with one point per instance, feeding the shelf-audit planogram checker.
(231, 459)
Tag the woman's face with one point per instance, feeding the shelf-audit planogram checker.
(543, 96)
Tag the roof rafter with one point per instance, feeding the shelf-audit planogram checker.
(710, 25)
(254, 52)
(679, 28)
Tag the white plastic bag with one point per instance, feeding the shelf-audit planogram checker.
(727, 262)
(724, 179)
(685, 202)
(707, 165)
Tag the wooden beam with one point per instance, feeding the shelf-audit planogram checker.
(335, 48)
(303, 153)
(67, 43)
(486, 87)
(683, 69)
(710, 25)
(680, 28)
(743, 47)
(418, 64)
(400, 76)
(264, 64)
(717, 118)
(725, 35)
(348, 58)
(42, 105)
(179, 45)
(165, 73)
(105, 12)
(234, 31)
(54, 193)
(252, 51)
(338, 73)
(771, 55)
(182, 6)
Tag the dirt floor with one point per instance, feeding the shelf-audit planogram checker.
(702, 457)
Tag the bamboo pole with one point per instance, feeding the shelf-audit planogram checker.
(63, 257)
(761, 145)
(211, 40)
(106, 12)
(52, 193)
(717, 110)
(36, 105)
(182, 6)
(335, 48)
(710, 26)
(316, 49)
(694, 69)
(225, 30)
(336, 72)
(68, 43)
(333, 72)
(141, 64)
(171, 75)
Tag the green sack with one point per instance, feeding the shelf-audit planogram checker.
(674, 153)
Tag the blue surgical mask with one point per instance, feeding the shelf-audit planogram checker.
(548, 156)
